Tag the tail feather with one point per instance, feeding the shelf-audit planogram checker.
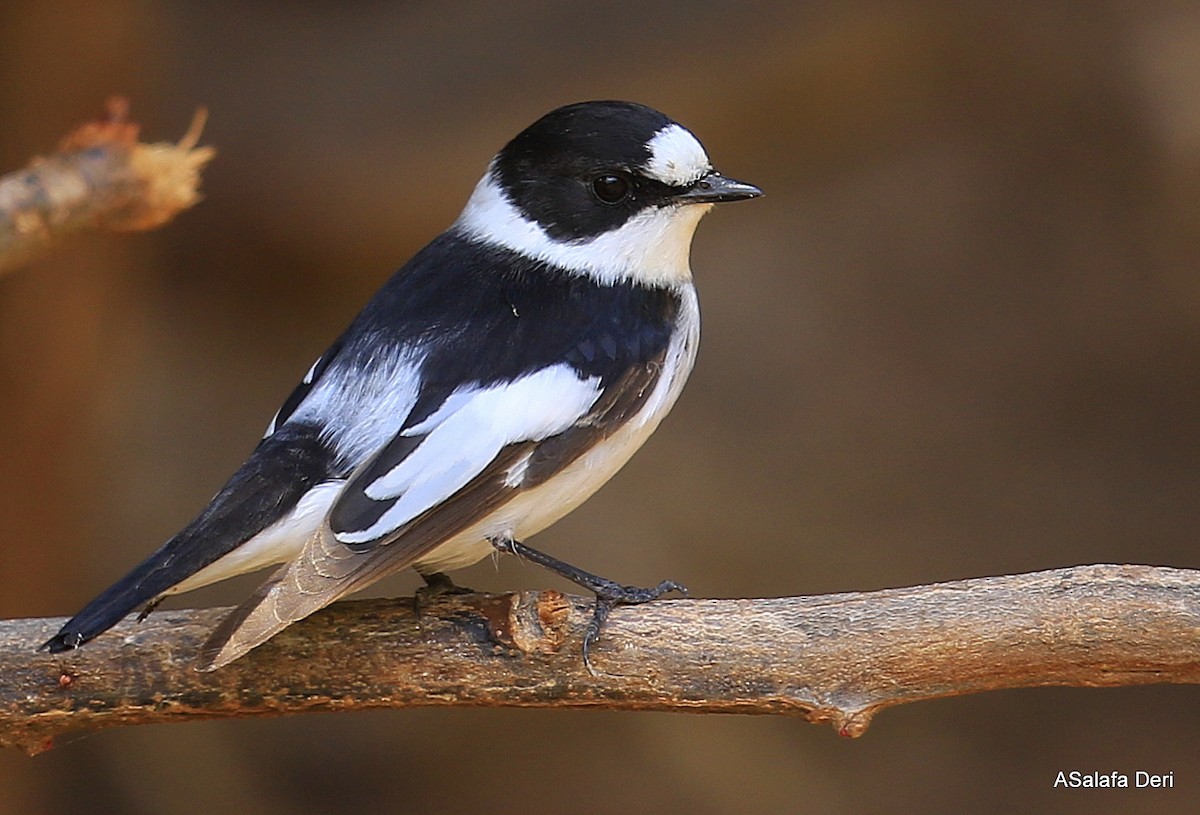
(283, 469)
(247, 626)
(140, 587)
(325, 572)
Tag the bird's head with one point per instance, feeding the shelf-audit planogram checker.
(612, 189)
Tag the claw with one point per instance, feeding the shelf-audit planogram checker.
(609, 594)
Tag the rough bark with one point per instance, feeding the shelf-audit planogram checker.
(834, 658)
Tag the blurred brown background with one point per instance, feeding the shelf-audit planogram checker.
(959, 337)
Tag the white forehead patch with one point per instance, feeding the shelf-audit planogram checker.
(676, 157)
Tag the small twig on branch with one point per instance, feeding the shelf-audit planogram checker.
(101, 177)
(834, 658)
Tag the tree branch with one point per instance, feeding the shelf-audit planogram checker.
(834, 658)
(101, 177)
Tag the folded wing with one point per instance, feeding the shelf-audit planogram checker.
(434, 480)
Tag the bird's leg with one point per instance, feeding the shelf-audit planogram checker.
(440, 583)
(149, 607)
(609, 594)
(437, 584)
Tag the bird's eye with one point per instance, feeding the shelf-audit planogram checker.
(610, 187)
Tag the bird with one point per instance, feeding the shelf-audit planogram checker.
(494, 383)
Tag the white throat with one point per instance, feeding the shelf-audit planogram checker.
(652, 247)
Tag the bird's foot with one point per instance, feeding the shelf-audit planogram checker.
(149, 607)
(609, 594)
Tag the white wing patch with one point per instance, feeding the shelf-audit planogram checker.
(307, 380)
(357, 413)
(467, 432)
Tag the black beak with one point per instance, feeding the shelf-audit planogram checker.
(714, 188)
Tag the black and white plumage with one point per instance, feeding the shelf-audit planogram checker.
(495, 382)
